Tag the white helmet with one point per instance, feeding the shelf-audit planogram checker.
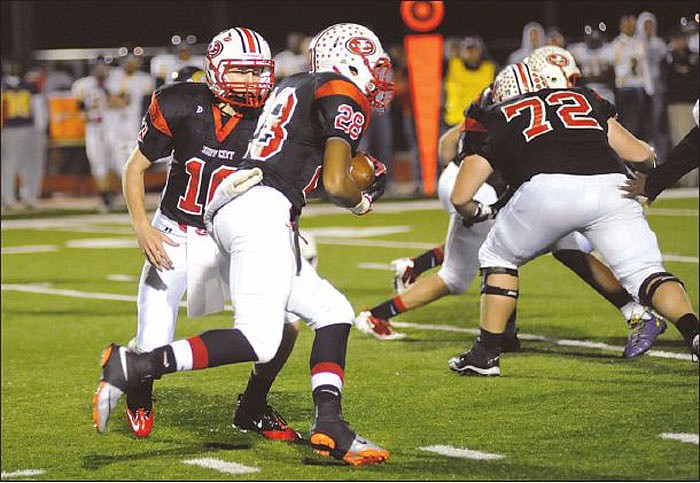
(514, 80)
(355, 52)
(556, 65)
(242, 47)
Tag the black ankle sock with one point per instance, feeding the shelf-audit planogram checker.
(492, 343)
(426, 261)
(162, 361)
(327, 400)
(688, 326)
(255, 394)
(388, 309)
(141, 397)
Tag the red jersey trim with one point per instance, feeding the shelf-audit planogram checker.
(337, 87)
(157, 118)
(472, 125)
(222, 131)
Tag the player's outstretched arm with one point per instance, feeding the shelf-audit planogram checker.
(150, 240)
(626, 145)
(473, 172)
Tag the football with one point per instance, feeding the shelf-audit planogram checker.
(362, 171)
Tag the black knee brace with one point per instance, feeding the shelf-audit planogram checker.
(652, 283)
(493, 290)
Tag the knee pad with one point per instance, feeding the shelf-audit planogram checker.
(652, 283)
(492, 289)
(263, 340)
(329, 307)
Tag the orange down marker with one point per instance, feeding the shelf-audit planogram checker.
(424, 54)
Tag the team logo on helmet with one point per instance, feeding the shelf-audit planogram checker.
(361, 46)
(215, 48)
(558, 59)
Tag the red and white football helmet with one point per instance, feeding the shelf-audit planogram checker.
(239, 47)
(556, 65)
(514, 80)
(355, 52)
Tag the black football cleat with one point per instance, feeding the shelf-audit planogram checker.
(475, 361)
(265, 421)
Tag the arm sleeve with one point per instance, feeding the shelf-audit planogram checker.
(681, 159)
(159, 125)
(342, 111)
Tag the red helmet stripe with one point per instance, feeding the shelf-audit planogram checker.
(523, 77)
(249, 38)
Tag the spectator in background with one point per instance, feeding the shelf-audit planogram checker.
(294, 58)
(591, 58)
(466, 75)
(533, 38)
(165, 66)
(633, 82)
(680, 72)
(59, 79)
(655, 50)
(24, 124)
(91, 92)
(127, 87)
(555, 37)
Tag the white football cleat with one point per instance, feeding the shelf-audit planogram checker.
(404, 275)
(379, 328)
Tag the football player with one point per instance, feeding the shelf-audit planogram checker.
(204, 129)
(558, 68)
(568, 146)
(310, 127)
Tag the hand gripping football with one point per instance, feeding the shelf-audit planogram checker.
(362, 171)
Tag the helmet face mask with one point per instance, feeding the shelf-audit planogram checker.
(355, 52)
(239, 49)
(515, 80)
(556, 65)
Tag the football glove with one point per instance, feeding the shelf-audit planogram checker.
(375, 190)
(483, 213)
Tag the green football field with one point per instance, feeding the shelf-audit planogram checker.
(567, 407)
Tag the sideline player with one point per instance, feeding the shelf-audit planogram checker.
(91, 92)
(460, 249)
(206, 127)
(310, 127)
(568, 146)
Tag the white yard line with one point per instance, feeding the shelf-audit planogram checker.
(221, 466)
(374, 266)
(453, 452)
(29, 249)
(684, 437)
(36, 288)
(20, 473)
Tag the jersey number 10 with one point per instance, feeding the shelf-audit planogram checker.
(196, 183)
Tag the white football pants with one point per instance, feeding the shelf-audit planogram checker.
(550, 206)
(254, 229)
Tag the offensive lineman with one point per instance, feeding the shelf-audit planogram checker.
(459, 267)
(568, 146)
(310, 127)
(207, 128)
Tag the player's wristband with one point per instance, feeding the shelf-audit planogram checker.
(363, 206)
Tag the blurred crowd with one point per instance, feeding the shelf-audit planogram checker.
(650, 76)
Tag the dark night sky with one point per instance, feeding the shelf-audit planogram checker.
(68, 24)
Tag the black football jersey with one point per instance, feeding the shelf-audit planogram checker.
(548, 131)
(207, 145)
(301, 113)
